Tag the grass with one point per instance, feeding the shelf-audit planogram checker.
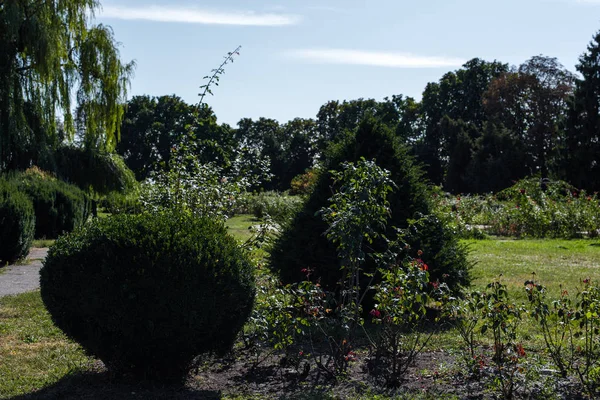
(42, 243)
(239, 226)
(555, 262)
(34, 354)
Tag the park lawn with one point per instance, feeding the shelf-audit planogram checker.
(555, 262)
(239, 226)
(35, 354)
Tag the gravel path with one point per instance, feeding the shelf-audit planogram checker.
(15, 279)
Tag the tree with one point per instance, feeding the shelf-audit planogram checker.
(299, 148)
(336, 119)
(457, 95)
(153, 127)
(531, 101)
(498, 160)
(302, 245)
(49, 53)
(583, 122)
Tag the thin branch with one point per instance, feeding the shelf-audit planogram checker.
(213, 80)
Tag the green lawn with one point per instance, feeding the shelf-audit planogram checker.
(239, 226)
(555, 262)
(33, 352)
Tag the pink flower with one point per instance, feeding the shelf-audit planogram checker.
(375, 313)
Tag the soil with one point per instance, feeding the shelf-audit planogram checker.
(434, 375)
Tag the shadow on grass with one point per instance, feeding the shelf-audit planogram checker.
(98, 386)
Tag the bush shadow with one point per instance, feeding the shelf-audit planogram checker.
(100, 386)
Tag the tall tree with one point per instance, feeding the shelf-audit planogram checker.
(531, 102)
(153, 127)
(458, 95)
(49, 52)
(583, 122)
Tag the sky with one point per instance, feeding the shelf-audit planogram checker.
(298, 54)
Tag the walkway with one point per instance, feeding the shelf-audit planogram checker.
(15, 279)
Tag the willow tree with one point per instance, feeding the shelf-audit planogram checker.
(56, 68)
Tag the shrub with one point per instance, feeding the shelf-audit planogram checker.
(17, 222)
(94, 170)
(146, 294)
(59, 207)
(304, 183)
(280, 207)
(556, 210)
(303, 245)
(122, 203)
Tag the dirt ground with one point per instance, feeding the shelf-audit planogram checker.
(434, 375)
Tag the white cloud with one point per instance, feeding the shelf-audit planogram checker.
(197, 16)
(374, 58)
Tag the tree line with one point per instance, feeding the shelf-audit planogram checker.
(477, 129)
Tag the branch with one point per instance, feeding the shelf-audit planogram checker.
(212, 80)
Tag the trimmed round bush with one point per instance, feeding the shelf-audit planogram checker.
(147, 294)
(59, 207)
(302, 243)
(17, 223)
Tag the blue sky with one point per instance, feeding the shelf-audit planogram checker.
(298, 54)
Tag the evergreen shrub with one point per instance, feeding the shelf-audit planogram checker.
(302, 244)
(148, 293)
(59, 207)
(17, 223)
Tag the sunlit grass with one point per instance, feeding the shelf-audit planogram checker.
(42, 243)
(239, 226)
(33, 352)
(555, 262)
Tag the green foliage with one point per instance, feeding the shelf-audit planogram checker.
(304, 183)
(153, 126)
(122, 203)
(199, 189)
(48, 57)
(280, 207)
(148, 293)
(583, 122)
(356, 217)
(529, 208)
(59, 207)
(94, 171)
(571, 330)
(400, 312)
(303, 245)
(289, 148)
(17, 223)
(492, 311)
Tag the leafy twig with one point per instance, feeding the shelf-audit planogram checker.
(214, 78)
